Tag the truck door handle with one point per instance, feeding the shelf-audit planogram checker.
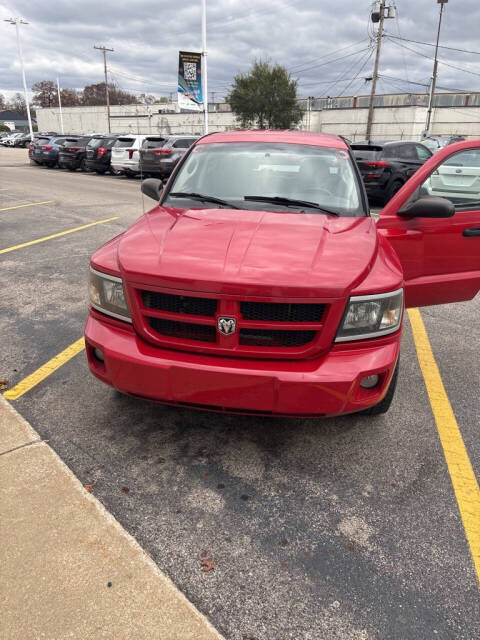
(473, 231)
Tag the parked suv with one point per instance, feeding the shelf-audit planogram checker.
(73, 154)
(35, 150)
(51, 150)
(160, 154)
(260, 283)
(99, 152)
(126, 154)
(385, 167)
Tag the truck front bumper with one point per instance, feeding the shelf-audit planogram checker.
(326, 386)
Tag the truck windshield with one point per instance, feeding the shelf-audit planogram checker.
(279, 172)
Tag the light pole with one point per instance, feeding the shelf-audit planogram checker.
(204, 70)
(16, 22)
(60, 105)
(442, 3)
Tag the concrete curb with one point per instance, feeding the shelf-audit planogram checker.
(60, 546)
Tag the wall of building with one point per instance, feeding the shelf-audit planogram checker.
(394, 122)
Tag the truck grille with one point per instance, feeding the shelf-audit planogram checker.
(263, 329)
(179, 304)
(266, 338)
(184, 330)
(281, 311)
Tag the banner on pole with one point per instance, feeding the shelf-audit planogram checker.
(190, 81)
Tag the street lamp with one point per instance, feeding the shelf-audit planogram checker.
(16, 22)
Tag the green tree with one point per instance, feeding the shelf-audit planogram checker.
(266, 97)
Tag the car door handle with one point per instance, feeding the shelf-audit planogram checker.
(471, 232)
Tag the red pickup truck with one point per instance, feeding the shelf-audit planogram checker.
(261, 284)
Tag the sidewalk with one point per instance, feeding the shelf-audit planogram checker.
(67, 568)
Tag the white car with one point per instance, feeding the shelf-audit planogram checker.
(126, 154)
(9, 140)
(458, 178)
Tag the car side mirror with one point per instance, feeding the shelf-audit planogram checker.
(152, 188)
(428, 207)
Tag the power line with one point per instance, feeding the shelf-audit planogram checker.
(405, 66)
(316, 66)
(429, 44)
(327, 55)
(446, 64)
(341, 78)
(366, 61)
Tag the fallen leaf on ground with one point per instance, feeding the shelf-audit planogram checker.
(125, 489)
(204, 554)
(88, 487)
(3, 384)
(208, 564)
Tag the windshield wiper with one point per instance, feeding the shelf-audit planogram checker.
(291, 202)
(203, 198)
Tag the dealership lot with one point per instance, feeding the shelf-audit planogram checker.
(343, 528)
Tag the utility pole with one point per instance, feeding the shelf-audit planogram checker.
(16, 22)
(442, 3)
(60, 105)
(375, 70)
(204, 70)
(107, 96)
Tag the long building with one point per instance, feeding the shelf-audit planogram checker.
(396, 117)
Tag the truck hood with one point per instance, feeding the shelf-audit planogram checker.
(255, 253)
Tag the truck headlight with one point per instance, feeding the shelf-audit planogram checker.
(108, 295)
(371, 316)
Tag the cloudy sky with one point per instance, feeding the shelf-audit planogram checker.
(325, 44)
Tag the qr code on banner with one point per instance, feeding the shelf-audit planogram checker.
(190, 71)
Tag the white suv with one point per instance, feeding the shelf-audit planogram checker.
(126, 154)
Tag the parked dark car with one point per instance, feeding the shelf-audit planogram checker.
(35, 152)
(22, 141)
(99, 153)
(46, 149)
(73, 154)
(159, 154)
(386, 166)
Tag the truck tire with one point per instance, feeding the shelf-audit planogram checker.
(384, 405)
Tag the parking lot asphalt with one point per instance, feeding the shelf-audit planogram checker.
(344, 528)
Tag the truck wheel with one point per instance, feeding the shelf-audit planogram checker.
(384, 405)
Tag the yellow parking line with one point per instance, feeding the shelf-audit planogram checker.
(30, 204)
(56, 235)
(463, 478)
(49, 367)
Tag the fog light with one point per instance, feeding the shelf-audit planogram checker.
(98, 354)
(370, 381)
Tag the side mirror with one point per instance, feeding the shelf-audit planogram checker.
(152, 188)
(429, 207)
